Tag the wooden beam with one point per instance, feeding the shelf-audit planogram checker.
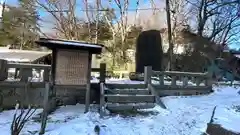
(80, 87)
(125, 86)
(18, 84)
(25, 65)
(119, 107)
(130, 98)
(128, 91)
(176, 73)
(95, 69)
(177, 87)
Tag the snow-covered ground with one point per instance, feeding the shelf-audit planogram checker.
(184, 116)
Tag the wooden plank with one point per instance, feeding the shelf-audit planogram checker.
(119, 107)
(95, 69)
(177, 87)
(130, 98)
(126, 86)
(25, 65)
(18, 84)
(176, 73)
(82, 87)
(128, 91)
(183, 92)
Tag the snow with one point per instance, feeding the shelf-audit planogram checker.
(228, 118)
(70, 42)
(187, 115)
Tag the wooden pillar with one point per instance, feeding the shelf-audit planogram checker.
(45, 108)
(46, 74)
(161, 80)
(147, 75)
(173, 82)
(208, 80)
(185, 81)
(102, 72)
(25, 73)
(102, 100)
(3, 70)
(88, 86)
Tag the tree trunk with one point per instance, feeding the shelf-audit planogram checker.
(169, 35)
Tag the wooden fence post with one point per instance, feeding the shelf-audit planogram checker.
(3, 70)
(46, 75)
(102, 72)
(208, 81)
(147, 75)
(45, 109)
(102, 100)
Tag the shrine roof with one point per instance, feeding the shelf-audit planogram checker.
(70, 44)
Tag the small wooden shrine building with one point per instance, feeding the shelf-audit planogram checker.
(71, 63)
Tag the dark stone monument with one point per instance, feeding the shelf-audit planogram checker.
(149, 51)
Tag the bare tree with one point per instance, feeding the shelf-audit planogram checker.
(169, 34)
(64, 17)
(216, 19)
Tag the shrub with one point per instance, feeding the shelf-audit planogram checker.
(19, 120)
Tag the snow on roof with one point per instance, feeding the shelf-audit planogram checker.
(70, 42)
(21, 55)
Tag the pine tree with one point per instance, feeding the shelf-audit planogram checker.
(20, 25)
(29, 22)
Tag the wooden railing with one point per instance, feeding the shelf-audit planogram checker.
(174, 80)
(23, 73)
(102, 72)
(26, 70)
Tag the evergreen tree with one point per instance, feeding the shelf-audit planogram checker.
(20, 25)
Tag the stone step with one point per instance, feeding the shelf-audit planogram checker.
(125, 86)
(130, 106)
(117, 98)
(128, 91)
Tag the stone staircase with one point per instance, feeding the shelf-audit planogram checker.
(117, 97)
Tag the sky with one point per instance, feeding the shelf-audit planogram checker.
(144, 15)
